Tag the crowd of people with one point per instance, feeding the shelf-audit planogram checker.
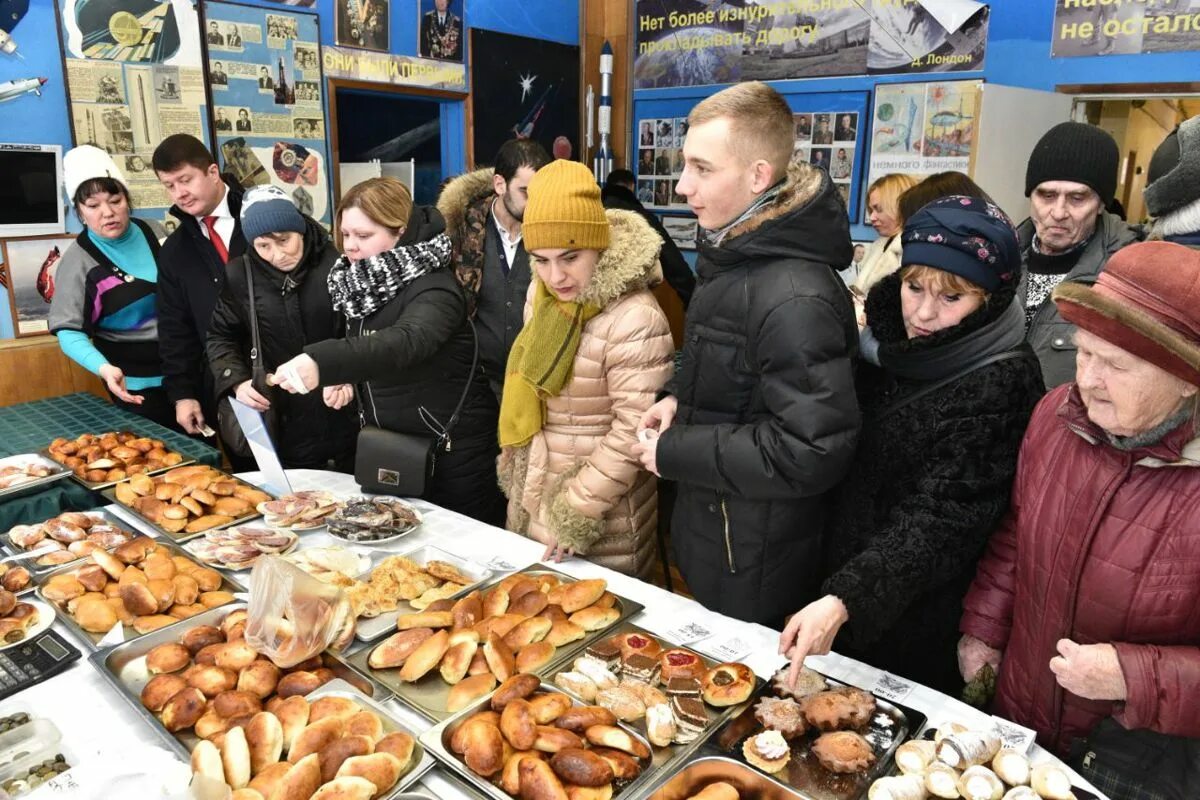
(980, 456)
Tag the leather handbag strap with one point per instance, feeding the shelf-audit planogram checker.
(907, 400)
(444, 435)
(255, 348)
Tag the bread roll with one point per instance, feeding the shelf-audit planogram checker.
(365, 723)
(483, 749)
(170, 657)
(111, 565)
(293, 717)
(499, 657)
(137, 597)
(549, 707)
(231, 622)
(211, 680)
(594, 618)
(538, 781)
(260, 678)
(462, 733)
(164, 593)
(98, 616)
(501, 625)
(246, 793)
(425, 657)
(394, 650)
(564, 632)
(399, 744)
(529, 604)
(215, 598)
(206, 761)
(381, 769)
(551, 740)
(581, 767)
(200, 637)
(518, 725)
(332, 706)
(234, 703)
(510, 779)
(716, 791)
(264, 737)
(183, 709)
(152, 622)
(300, 782)
(463, 644)
(514, 688)
(534, 656)
(92, 577)
(467, 610)
(469, 690)
(333, 754)
(495, 602)
(159, 689)
(235, 756)
(478, 664)
(235, 655)
(266, 781)
(347, 788)
(578, 595)
(210, 724)
(316, 736)
(301, 682)
(425, 619)
(579, 718)
(618, 739)
(531, 630)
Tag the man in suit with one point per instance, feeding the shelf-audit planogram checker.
(218, 76)
(214, 35)
(264, 79)
(442, 33)
(223, 123)
(243, 122)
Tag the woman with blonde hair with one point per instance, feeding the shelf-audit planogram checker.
(595, 350)
(883, 212)
(409, 347)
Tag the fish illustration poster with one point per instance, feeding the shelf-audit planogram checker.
(923, 128)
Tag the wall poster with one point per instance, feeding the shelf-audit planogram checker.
(923, 128)
(134, 77)
(268, 109)
(31, 264)
(362, 23)
(1104, 27)
(440, 30)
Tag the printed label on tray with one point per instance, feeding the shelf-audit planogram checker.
(687, 632)
(889, 687)
(732, 648)
(1013, 735)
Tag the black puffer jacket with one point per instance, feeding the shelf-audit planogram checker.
(415, 353)
(293, 310)
(929, 484)
(767, 416)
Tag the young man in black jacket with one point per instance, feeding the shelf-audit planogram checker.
(191, 271)
(761, 419)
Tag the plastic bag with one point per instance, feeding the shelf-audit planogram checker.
(292, 616)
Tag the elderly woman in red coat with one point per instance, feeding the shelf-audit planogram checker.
(1088, 599)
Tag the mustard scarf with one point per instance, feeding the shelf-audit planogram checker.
(540, 363)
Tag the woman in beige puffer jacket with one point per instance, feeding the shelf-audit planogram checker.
(576, 485)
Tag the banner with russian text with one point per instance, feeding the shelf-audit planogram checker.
(363, 65)
(1112, 27)
(697, 42)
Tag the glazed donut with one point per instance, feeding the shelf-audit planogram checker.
(680, 663)
(631, 643)
(727, 684)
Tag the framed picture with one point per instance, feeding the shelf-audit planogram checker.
(363, 24)
(682, 231)
(31, 263)
(440, 29)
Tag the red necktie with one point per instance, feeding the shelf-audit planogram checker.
(211, 223)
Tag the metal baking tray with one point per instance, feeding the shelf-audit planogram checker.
(437, 741)
(694, 777)
(673, 754)
(94, 639)
(368, 629)
(428, 695)
(124, 668)
(37, 484)
(110, 494)
(99, 485)
(421, 761)
(40, 571)
(891, 726)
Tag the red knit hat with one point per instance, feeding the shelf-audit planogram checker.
(1147, 302)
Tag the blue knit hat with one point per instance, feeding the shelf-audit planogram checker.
(967, 236)
(266, 209)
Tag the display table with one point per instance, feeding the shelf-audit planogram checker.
(30, 427)
(99, 727)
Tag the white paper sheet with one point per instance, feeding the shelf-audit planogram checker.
(275, 479)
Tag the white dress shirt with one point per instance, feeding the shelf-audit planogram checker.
(225, 221)
(510, 245)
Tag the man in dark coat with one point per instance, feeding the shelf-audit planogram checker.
(441, 33)
(191, 272)
(761, 420)
(618, 193)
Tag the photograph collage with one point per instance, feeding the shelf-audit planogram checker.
(827, 140)
(660, 161)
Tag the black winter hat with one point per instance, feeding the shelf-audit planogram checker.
(1173, 179)
(1075, 151)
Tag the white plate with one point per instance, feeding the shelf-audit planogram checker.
(219, 565)
(44, 621)
(363, 559)
(386, 539)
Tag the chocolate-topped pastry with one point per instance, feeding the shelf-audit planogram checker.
(683, 687)
(641, 668)
(690, 717)
(606, 653)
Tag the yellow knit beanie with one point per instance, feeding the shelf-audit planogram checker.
(564, 209)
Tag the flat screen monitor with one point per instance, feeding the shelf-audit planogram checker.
(31, 202)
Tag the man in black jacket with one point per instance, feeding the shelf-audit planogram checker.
(761, 419)
(618, 193)
(191, 271)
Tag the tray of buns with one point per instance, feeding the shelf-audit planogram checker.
(673, 696)
(716, 778)
(184, 502)
(100, 460)
(172, 679)
(72, 534)
(142, 585)
(28, 472)
(823, 739)
(408, 584)
(528, 739)
(456, 651)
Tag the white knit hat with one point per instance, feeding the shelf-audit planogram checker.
(86, 162)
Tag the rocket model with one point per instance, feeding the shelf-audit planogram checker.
(602, 164)
(11, 90)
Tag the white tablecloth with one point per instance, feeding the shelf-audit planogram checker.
(99, 727)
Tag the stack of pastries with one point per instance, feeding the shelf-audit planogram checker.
(397, 579)
(190, 499)
(112, 456)
(541, 746)
(71, 536)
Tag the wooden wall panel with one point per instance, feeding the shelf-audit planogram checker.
(609, 20)
(35, 368)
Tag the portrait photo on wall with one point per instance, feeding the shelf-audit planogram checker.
(362, 24)
(441, 29)
(531, 88)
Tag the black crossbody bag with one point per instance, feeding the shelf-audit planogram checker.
(402, 464)
(232, 435)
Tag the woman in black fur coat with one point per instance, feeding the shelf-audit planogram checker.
(944, 409)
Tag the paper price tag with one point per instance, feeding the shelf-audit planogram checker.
(1012, 735)
(63, 784)
(889, 687)
(687, 632)
(731, 649)
(500, 564)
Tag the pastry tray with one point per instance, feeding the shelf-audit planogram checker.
(100, 485)
(368, 629)
(37, 484)
(428, 695)
(695, 776)
(93, 639)
(124, 668)
(437, 741)
(672, 754)
(890, 727)
(110, 494)
(39, 572)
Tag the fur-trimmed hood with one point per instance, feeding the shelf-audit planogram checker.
(629, 263)
(807, 220)
(460, 194)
